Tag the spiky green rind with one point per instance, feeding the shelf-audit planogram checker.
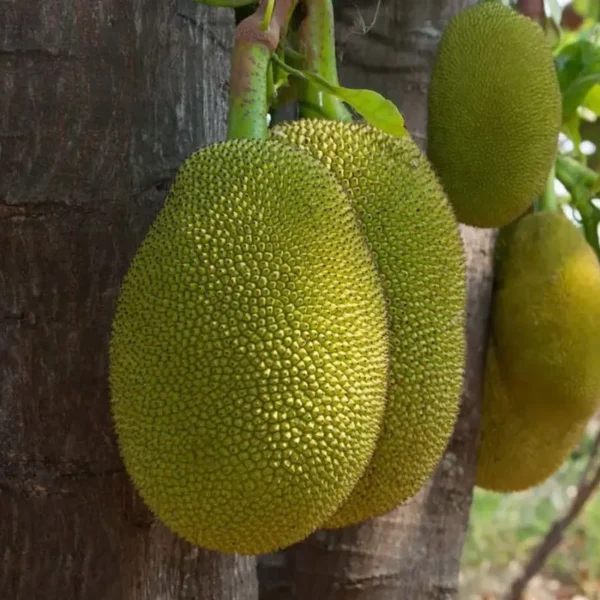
(418, 251)
(494, 113)
(542, 381)
(249, 352)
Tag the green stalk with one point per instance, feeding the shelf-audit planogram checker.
(590, 225)
(256, 38)
(580, 181)
(248, 97)
(548, 200)
(266, 21)
(317, 45)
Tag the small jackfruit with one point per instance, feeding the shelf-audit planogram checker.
(542, 382)
(494, 113)
(418, 251)
(249, 352)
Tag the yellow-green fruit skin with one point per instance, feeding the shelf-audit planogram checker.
(249, 352)
(520, 446)
(494, 113)
(542, 380)
(418, 251)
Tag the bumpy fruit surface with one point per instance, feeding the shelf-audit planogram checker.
(418, 251)
(494, 113)
(542, 381)
(249, 354)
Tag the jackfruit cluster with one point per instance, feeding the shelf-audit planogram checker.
(288, 345)
(494, 113)
(542, 382)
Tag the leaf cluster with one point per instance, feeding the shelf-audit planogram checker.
(575, 32)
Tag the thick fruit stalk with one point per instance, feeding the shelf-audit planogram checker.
(317, 45)
(256, 38)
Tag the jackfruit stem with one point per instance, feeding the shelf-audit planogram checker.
(582, 183)
(548, 200)
(317, 44)
(253, 47)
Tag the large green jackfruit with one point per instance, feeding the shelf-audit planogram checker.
(494, 113)
(249, 353)
(415, 239)
(542, 381)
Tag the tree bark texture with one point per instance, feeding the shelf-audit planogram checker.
(99, 104)
(413, 552)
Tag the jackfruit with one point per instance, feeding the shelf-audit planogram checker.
(542, 382)
(249, 352)
(418, 251)
(494, 113)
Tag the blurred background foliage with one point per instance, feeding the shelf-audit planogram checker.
(505, 528)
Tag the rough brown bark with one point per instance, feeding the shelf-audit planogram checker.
(414, 551)
(99, 103)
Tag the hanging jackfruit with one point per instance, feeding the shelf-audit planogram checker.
(418, 251)
(249, 352)
(494, 113)
(542, 381)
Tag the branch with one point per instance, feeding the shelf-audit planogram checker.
(554, 537)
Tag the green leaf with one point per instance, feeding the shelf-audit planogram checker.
(578, 71)
(580, 56)
(592, 100)
(374, 108)
(587, 8)
(571, 129)
(577, 92)
(377, 110)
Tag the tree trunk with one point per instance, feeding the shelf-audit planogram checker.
(99, 103)
(413, 552)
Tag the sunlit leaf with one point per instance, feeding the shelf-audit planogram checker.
(592, 100)
(577, 92)
(377, 110)
(374, 108)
